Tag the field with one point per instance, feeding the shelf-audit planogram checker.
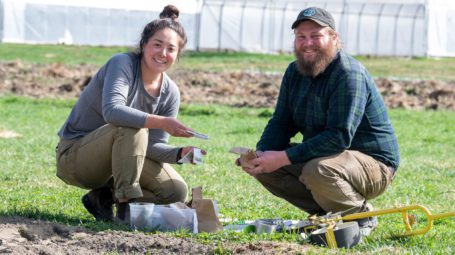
(39, 214)
(403, 68)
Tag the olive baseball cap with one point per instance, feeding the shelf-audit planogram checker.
(318, 15)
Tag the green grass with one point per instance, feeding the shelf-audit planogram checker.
(403, 68)
(29, 187)
(71, 55)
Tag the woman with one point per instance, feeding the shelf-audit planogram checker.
(114, 141)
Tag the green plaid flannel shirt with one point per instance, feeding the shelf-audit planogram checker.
(340, 109)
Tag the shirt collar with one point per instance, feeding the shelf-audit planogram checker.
(332, 64)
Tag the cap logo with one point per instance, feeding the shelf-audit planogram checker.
(309, 12)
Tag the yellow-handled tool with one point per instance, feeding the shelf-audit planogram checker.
(408, 220)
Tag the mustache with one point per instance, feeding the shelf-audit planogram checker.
(324, 56)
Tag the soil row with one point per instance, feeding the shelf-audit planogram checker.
(230, 88)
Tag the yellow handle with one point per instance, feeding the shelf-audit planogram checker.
(330, 237)
(408, 220)
(406, 217)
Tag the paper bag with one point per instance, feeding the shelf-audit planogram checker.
(246, 155)
(206, 212)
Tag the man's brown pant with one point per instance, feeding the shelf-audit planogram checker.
(330, 184)
(115, 156)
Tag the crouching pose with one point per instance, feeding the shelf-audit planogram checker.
(114, 141)
(349, 153)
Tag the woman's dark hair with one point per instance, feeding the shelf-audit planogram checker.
(170, 11)
(168, 19)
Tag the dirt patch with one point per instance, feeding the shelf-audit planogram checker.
(25, 236)
(229, 88)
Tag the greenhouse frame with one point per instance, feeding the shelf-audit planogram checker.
(410, 28)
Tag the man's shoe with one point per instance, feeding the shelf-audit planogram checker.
(99, 203)
(367, 225)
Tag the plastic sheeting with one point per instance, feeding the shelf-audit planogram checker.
(366, 27)
(84, 22)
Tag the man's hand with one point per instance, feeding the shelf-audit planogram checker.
(267, 162)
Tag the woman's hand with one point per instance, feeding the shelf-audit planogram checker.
(169, 124)
(175, 127)
(188, 149)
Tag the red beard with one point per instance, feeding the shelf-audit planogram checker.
(316, 66)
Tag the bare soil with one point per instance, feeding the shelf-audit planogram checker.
(20, 235)
(26, 236)
(229, 88)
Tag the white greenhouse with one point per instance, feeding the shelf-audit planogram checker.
(409, 28)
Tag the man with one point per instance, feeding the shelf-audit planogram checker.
(349, 151)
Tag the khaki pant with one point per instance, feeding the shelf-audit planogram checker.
(114, 156)
(330, 184)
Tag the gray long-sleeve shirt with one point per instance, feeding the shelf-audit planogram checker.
(116, 95)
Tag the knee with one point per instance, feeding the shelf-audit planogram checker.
(315, 172)
(268, 179)
(263, 178)
(134, 140)
(135, 133)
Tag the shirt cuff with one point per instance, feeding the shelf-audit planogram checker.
(179, 156)
(294, 155)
